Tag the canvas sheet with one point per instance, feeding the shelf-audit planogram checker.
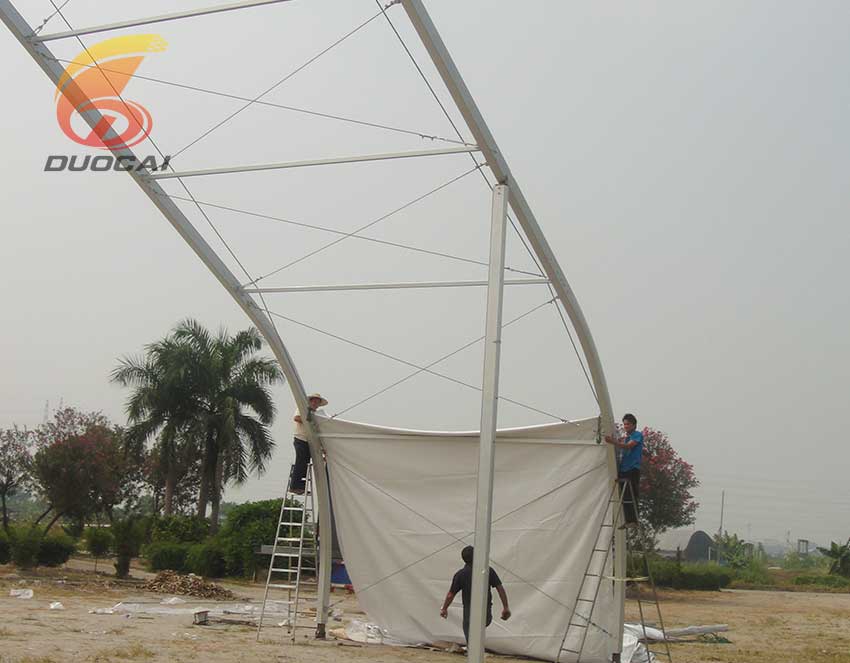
(404, 503)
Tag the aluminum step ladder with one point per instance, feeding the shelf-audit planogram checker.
(294, 555)
(594, 577)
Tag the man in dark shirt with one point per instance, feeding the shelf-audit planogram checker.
(462, 582)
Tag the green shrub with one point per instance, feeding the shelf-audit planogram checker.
(206, 559)
(167, 556)
(25, 542)
(690, 576)
(127, 537)
(98, 541)
(55, 549)
(5, 548)
(823, 581)
(179, 529)
(248, 526)
(754, 573)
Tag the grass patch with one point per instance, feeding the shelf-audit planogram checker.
(133, 651)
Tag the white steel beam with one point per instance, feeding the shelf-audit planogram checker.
(22, 31)
(487, 442)
(389, 286)
(316, 162)
(152, 19)
(465, 103)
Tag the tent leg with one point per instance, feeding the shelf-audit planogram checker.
(489, 403)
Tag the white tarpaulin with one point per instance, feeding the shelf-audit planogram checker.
(404, 504)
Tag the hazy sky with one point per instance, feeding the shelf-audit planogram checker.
(688, 163)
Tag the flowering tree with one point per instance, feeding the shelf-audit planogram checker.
(81, 467)
(666, 481)
(15, 464)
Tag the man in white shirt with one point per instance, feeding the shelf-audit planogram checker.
(302, 448)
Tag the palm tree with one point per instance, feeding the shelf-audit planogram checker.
(840, 556)
(233, 401)
(161, 405)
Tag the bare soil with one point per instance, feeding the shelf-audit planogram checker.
(776, 627)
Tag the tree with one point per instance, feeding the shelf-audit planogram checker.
(84, 474)
(839, 556)
(232, 385)
(208, 395)
(163, 406)
(15, 464)
(731, 550)
(666, 481)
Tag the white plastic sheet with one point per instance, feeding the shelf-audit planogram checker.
(404, 504)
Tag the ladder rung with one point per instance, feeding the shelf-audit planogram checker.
(276, 586)
(284, 570)
(289, 538)
(293, 508)
(586, 600)
(280, 554)
(578, 625)
(570, 651)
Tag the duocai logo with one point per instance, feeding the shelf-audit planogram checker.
(101, 75)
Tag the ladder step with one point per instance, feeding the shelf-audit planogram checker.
(289, 538)
(284, 570)
(586, 600)
(276, 586)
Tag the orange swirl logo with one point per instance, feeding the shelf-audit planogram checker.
(101, 73)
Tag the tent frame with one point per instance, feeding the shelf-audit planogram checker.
(431, 40)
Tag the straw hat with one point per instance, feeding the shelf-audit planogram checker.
(322, 401)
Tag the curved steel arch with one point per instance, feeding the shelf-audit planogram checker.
(430, 38)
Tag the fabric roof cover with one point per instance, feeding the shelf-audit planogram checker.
(404, 503)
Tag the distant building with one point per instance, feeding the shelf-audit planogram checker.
(700, 548)
(693, 546)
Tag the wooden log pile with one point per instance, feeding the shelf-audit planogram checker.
(169, 582)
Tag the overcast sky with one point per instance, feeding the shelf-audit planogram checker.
(688, 163)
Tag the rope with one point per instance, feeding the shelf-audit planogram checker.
(271, 104)
(333, 231)
(368, 225)
(156, 147)
(420, 369)
(45, 21)
(490, 186)
(279, 83)
(443, 358)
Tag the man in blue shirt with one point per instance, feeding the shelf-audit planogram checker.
(629, 470)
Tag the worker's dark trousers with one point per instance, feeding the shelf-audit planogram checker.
(299, 468)
(466, 622)
(630, 499)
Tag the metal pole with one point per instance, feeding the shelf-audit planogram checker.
(456, 86)
(154, 19)
(22, 31)
(391, 286)
(360, 158)
(489, 415)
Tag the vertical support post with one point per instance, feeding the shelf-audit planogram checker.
(442, 59)
(489, 416)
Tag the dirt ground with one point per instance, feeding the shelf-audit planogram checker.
(775, 627)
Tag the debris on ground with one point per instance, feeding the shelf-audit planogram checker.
(21, 593)
(169, 582)
(174, 600)
(57, 605)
